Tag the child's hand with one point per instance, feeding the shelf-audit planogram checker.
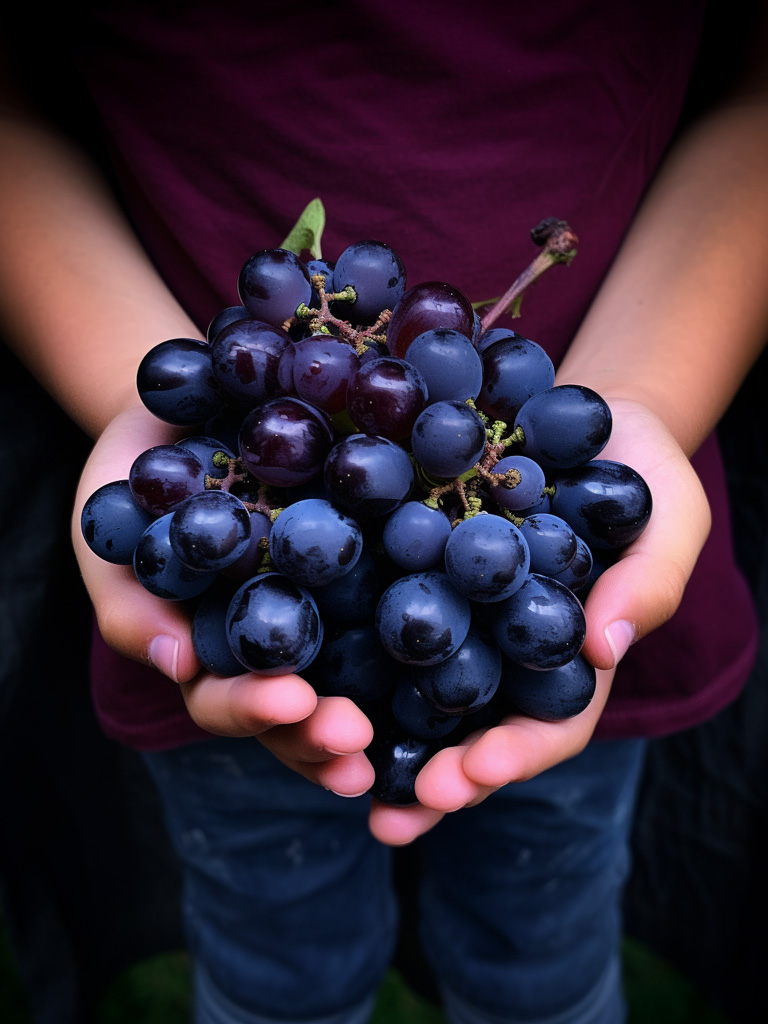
(307, 734)
(633, 597)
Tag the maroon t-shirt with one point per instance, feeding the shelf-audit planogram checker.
(447, 130)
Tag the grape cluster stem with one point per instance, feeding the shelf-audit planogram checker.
(559, 246)
(320, 319)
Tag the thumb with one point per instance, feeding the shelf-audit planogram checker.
(644, 588)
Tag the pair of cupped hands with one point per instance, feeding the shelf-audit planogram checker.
(324, 739)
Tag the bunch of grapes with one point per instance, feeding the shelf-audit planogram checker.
(379, 493)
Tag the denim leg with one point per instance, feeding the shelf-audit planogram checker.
(288, 905)
(522, 895)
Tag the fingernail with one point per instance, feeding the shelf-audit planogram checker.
(337, 753)
(620, 635)
(349, 796)
(164, 655)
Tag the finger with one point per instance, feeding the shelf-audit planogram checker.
(327, 746)
(156, 632)
(398, 826)
(521, 747)
(349, 776)
(643, 589)
(336, 726)
(443, 785)
(247, 705)
(645, 586)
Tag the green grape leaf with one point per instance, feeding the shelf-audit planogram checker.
(306, 233)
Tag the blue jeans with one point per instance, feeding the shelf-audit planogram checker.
(290, 912)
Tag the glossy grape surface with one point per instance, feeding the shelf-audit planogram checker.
(468, 680)
(175, 381)
(159, 570)
(314, 543)
(112, 522)
(210, 530)
(421, 619)
(486, 558)
(376, 273)
(284, 442)
(245, 357)
(565, 426)
(607, 503)
(273, 625)
(541, 625)
(352, 663)
(553, 694)
(427, 306)
(415, 536)
(385, 397)
(449, 363)
(272, 284)
(162, 477)
(448, 439)
(514, 370)
(368, 476)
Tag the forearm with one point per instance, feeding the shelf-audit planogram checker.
(683, 312)
(80, 302)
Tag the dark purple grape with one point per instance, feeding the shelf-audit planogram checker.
(465, 682)
(376, 273)
(209, 632)
(552, 694)
(606, 503)
(245, 358)
(542, 505)
(320, 370)
(313, 543)
(112, 522)
(368, 476)
(374, 350)
(251, 560)
(206, 448)
(486, 558)
(397, 759)
(285, 441)
(162, 477)
(224, 426)
(448, 439)
(494, 334)
(513, 371)
(523, 494)
(428, 305)
(210, 530)
(449, 364)
(385, 397)
(486, 717)
(565, 426)
(159, 570)
(551, 541)
(422, 619)
(273, 625)
(272, 284)
(175, 381)
(578, 574)
(416, 716)
(352, 663)
(541, 625)
(415, 536)
(353, 597)
(225, 317)
(477, 326)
